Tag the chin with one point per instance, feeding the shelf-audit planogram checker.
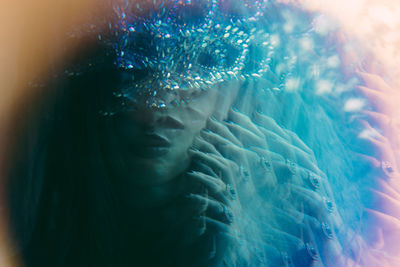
(159, 170)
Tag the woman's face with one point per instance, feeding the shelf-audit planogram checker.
(152, 143)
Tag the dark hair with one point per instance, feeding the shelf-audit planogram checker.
(59, 189)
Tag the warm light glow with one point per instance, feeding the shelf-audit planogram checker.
(374, 23)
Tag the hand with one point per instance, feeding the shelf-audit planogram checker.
(384, 100)
(210, 200)
(278, 169)
(381, 154)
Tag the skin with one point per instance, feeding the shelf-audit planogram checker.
(181, 205)
(381, 215)
(307, 196)
(183, 190)
(153, 144)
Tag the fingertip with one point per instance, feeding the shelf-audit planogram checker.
(192, 150)
(213, 119)
(191, 173)
(234, 110)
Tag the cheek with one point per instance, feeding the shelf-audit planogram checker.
(174, 163)
(183, 141)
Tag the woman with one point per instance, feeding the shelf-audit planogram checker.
(158, 147)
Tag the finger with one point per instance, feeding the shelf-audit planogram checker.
(295, 221)
(308, 229)
(269, 124)
(381, 170)
(376, 98)
(194, 229)
(322, 235)
(267, 154)
(366, 144)
(321, 247)
(183, 210)
(284, 172)
(237, 154)
(214, 209)
(277, 144)
(307, 255)
(231, 152)
(219, 128)
(281, 170)
(269, 174)
(200, 144)
(384, 186)
(382, 150)
(197, 204)
(201, 167)
(244, 121)
(375, 82)
(215, 139)
(389, 227)
(381, 143)
(289, 220)
(374, 133)
(377, 118)
(217, 226)
(215, 162)
(280, 146)
(313, 203)
(367, 160)
(220, 143)
(296, 141)
(282, 240)
(246, 137)
(376, 146)
(312, 180)
(264, 178)
(221, 166)
(270, 256)
(239, 159)
(221, 242)
(385, 203)
(215, 187)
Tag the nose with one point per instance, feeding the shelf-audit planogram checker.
(150, 118)
(145, 117)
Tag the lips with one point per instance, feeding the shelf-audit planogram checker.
(156, 140)
(153, 146)
(147, 136)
